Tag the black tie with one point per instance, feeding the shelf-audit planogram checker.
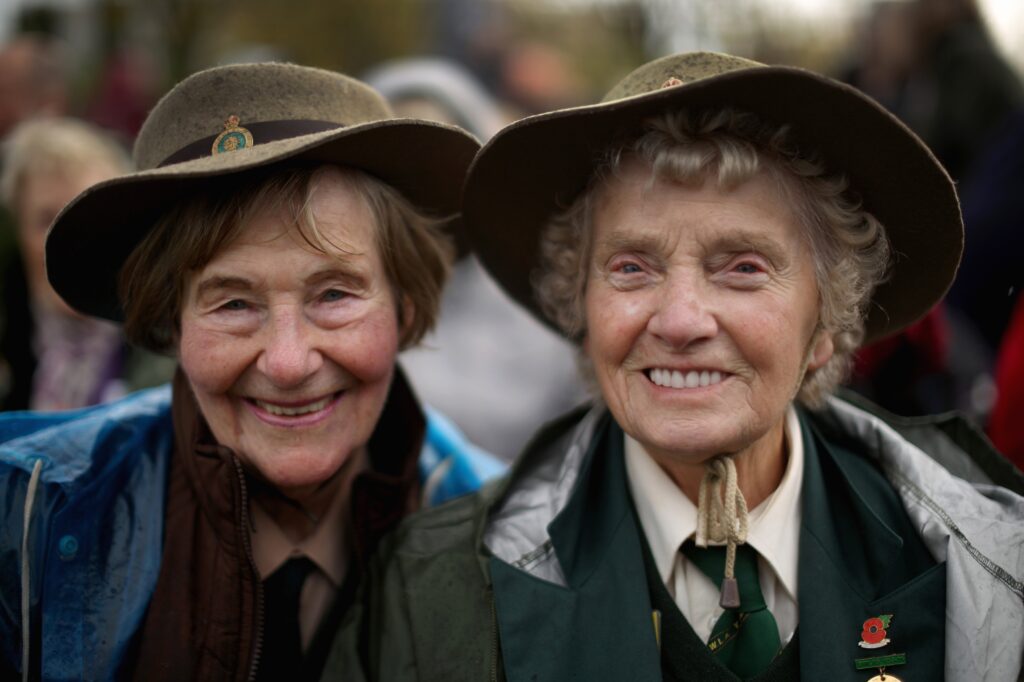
(281, 655)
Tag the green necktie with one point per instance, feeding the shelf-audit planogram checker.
(746, 639)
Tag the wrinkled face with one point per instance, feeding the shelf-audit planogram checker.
(41, 197)
(701, 309)
(290, 352)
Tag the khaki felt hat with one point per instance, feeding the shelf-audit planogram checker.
(536, 167)
(229, 120)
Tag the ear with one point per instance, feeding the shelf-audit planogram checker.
(821, 350)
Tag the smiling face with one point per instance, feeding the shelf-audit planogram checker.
(701, 309)
(290, 351)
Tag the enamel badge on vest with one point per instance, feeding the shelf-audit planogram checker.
(873, 636)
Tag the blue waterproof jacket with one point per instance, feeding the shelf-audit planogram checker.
(82, 519)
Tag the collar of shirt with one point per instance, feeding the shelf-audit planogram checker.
(669, 518)
(325, 546)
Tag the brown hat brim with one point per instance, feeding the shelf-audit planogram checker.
(536, 167)
(93, 235)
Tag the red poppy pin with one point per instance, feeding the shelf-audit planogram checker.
(872, 635)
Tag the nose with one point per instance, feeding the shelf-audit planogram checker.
(290, 353)
(683, 315)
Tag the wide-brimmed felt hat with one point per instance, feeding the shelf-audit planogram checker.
(536, 167)
(235, 119)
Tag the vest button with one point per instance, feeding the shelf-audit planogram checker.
(68, 547)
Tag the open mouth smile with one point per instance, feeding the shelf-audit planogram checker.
(298, 413)
(674, 378)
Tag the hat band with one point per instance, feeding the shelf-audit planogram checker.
(264, 131)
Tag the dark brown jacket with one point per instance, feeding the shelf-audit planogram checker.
(205, 618)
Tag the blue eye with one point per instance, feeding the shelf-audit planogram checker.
(748, 269)
(630, 268)
(235, 304)
(333, 295)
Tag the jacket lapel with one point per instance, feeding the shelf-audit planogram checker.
(854, 566)
(599, 625)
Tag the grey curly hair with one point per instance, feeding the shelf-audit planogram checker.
(850, 248)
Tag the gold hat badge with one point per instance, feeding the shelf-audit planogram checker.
(233, 138)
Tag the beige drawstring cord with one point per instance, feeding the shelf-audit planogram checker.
(26, 583)
(722, 520)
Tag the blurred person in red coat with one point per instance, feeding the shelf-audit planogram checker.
(1006, 427)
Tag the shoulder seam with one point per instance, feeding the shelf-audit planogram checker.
(997, 571)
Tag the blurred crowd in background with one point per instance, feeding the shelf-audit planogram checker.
(76, 81)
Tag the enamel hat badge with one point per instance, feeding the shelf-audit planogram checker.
(233, 138)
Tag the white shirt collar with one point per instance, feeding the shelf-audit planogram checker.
(669, 518)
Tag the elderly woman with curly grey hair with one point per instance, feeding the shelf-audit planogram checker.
(718, 237)
(849, 251)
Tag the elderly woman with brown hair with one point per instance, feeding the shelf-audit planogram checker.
(283, 241)
(718, 237)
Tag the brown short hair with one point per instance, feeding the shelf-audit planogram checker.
(850, 248)
(416, 254)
